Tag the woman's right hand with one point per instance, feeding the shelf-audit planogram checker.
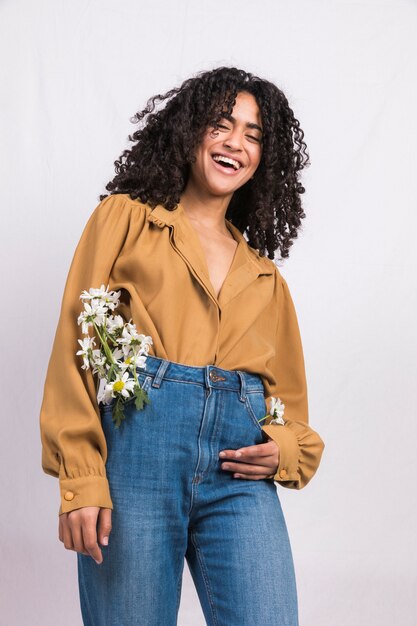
(79, 531)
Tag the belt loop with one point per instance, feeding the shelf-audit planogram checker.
(160, 373)
(242, 395)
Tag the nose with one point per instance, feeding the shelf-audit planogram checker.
(233, 141)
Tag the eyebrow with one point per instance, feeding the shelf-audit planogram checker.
(248, 124)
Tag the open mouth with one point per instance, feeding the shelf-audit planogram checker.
(226, 162)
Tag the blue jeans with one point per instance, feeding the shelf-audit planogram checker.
(173, 500)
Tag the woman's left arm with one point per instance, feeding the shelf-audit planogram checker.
(292, 452)
(300, 447)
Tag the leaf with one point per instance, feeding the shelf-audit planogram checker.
(141, 397)
(118, 414)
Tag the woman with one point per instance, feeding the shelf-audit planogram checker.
(193, 473)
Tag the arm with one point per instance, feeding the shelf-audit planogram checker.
(300, 446)
(73, 443)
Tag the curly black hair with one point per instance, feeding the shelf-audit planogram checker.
(267, 208)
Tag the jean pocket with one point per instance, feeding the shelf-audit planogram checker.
(145, 381)
(256, 407)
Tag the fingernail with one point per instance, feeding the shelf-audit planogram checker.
(105, 541)
(238, 454)
(98, 562)
(222, 454)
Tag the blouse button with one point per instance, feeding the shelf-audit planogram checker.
(283, 473)
(68, 495)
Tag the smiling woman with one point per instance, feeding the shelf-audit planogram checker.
(228, 154)
(224, 103)
(206, 194)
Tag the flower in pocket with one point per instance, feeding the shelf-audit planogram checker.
(122, 350)
(122, 385)
(276, 410)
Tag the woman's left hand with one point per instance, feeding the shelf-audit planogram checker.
(253, 462)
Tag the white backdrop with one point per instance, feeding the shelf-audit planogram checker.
(72, 74)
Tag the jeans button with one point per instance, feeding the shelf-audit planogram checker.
(214, 376)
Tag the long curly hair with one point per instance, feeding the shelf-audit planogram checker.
(267, 208)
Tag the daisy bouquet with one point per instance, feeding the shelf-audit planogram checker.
(121, 350)
(276, 410)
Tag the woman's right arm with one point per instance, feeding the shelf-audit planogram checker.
(73, 443)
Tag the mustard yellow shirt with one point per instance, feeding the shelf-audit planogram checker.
(156, 258)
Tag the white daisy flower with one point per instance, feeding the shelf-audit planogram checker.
(114, 323)
(277, 411)
(136, 359)
(98, 357)
(132, 329)
(127, 338)
(94, 313)
(108, 299)
(98, 360)
(123, 385)
(86, 347)
(132, 358)
(104, 395)
(145, 342)
(117, 354)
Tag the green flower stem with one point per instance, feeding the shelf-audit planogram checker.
(106, 348)
(111, 370)
(114, 342)
(264, 418)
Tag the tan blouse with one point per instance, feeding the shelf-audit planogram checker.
(156, 258)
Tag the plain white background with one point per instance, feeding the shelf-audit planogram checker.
(72, 74)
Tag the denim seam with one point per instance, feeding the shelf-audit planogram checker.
(160, 374)
(180, 380)
(178, 593)
(242, 390)
(194, 488)
(219, 412)
(194, 485)
(252, 413)
(147, 382)
(205, 578)
(86, 603)
(249, 389)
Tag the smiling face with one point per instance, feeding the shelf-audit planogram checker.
(229, 154)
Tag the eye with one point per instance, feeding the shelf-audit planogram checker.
(222, 126)
(254, 138)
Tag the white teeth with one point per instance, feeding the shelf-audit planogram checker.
(219, 157)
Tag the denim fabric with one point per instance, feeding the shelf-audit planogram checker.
(173, 500)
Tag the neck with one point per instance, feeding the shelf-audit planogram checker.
(208, 210)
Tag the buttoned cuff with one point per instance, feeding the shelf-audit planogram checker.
(286, 439)
(84, 491)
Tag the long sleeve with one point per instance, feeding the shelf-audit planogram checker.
(73, 443)
(300, 446)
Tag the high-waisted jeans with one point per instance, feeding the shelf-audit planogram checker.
(172, 500)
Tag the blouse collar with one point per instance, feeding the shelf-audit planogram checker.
(246, 266)
(162, 217)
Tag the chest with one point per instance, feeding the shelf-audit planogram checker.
(175, 271)
(219, 252)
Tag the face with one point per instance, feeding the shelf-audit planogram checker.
(229, 154)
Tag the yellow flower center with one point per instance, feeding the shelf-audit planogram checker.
(118, 385)
(128, 360)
